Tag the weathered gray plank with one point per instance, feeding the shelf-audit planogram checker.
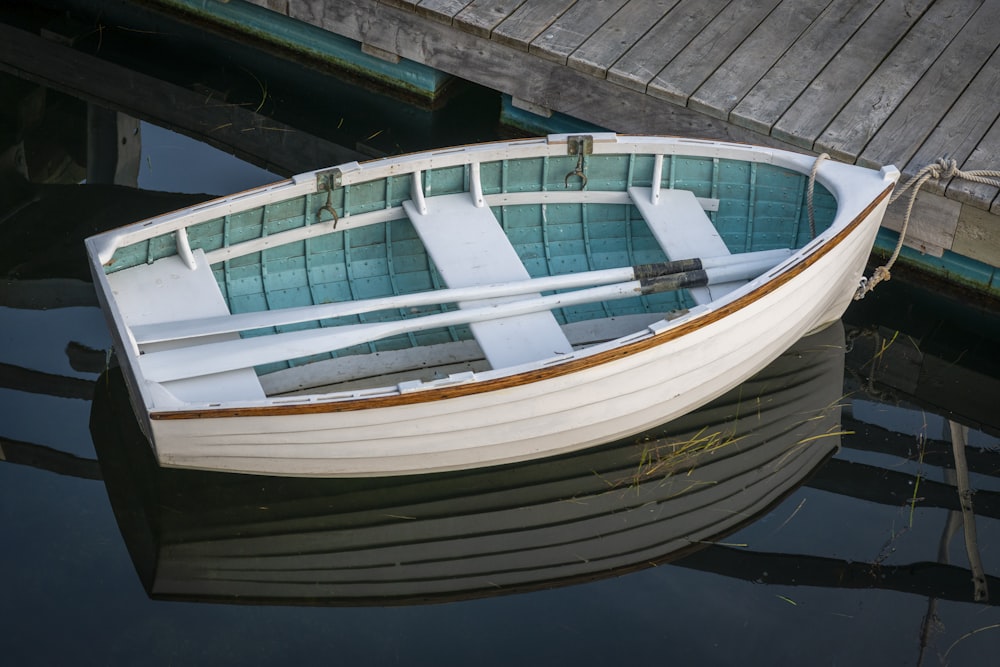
(827, 94)
(985, 156)
(765, 103)
(617, 35)
(928, 102)
(440, 10)
(932, 224)
(402, 4)
(663, 42)
(571, 29)
(685, 73)
(522, 75)
(860, 119)
(723, 90)
(480, 16)
(977, 236)
(967, 122)
(528, 22)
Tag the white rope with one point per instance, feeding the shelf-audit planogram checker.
(809, 192)
(942, 168)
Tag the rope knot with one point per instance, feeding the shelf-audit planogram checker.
(943, 168)
(868, 284)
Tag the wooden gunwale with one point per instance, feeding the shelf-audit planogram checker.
(535, 375)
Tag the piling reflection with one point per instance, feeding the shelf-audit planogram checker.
(595, 514)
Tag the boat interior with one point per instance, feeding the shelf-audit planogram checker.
(260, 275)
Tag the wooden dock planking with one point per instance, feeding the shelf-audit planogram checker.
(668, 37)
(827, 94)
(617, 35)
(522, 75)
(983, 157)
(407, 4)
(964, 126)
(480, 17)
(929, 101)
(706, 52)
(439, 10)
(831, 75)
(875, 82)
(565, 35)
(775, 93)
(752, 59)
(528, 22)
(872, 104)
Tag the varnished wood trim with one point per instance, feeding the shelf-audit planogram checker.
(538, 375)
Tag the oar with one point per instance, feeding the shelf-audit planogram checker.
(744, 264)
(208, 358)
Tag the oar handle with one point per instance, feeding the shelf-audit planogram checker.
(741, 265)
(217, 357)
(669, 282)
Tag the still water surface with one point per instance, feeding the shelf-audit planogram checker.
(810, 517)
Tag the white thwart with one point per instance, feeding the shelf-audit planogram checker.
(469, 248)
(682, 229)
(145, 294)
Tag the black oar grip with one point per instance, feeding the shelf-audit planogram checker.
(644, 272)
(673, 281)
(673, 275)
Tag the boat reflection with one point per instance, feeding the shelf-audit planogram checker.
(594, 514)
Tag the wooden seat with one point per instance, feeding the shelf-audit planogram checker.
(684, 231)
(147, 292)
(469, 248)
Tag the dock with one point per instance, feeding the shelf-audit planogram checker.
(871, 82)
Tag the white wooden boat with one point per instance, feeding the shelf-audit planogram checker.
(478, 305)
(597, 513)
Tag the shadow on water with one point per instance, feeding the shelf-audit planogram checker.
(814, 515)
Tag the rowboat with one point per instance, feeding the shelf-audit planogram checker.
(478, 305)
(597, 513)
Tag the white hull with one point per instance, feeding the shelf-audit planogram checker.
(525, 421)
(606, 392)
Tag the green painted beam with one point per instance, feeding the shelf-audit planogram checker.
(295, 36)
(950, 267)
(532, 123)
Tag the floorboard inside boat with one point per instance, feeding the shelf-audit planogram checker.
(433, 362)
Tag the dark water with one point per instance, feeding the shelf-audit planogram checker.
(814, 518)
